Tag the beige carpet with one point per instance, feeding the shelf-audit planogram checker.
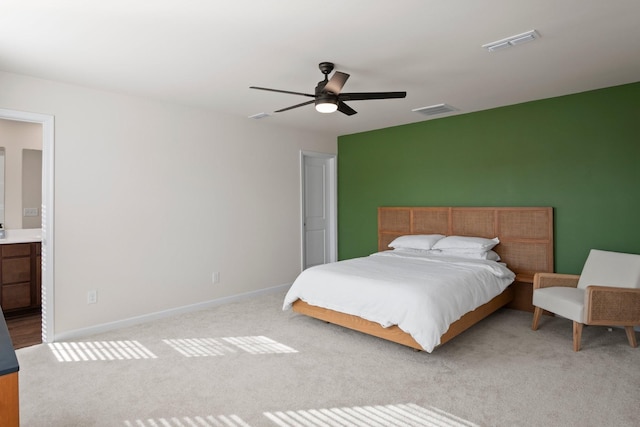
(250, 364)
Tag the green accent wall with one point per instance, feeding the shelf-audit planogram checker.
(578, 153)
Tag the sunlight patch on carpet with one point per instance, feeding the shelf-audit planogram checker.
(209, 421)
(370, 416)
(99, 350)
(200, 347)
(259, 345)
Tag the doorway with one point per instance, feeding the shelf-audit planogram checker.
(47, 212)
(319, 211)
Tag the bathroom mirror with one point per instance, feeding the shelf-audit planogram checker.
(31, 188)
(21, 173)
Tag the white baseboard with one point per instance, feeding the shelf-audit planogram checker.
(106, 327)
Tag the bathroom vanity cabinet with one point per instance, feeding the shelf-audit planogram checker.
(20, 278)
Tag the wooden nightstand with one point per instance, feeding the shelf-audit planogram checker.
(522, 293)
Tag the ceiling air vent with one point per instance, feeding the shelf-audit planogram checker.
(433, 110)
(259, 116)
(511, 41)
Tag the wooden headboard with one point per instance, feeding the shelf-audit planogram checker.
(525, 233)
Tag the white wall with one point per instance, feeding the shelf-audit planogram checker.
(151, 198)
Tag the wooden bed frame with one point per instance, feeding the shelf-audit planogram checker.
(526, 246)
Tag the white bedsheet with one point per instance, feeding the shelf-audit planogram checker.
(421, 294)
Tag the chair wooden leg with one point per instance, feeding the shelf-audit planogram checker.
(577, 335)
(631, 335)
(537, 313)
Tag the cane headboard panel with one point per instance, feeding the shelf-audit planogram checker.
(525, 233)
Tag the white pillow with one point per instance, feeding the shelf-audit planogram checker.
(468, 253)
(416, 241)
(464, 242)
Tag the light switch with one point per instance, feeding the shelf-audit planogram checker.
(30, 212)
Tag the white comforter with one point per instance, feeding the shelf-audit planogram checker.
(421, 294)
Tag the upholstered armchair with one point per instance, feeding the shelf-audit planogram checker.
(607, 292)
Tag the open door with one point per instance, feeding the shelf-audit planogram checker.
(47, 212)
(319, 213)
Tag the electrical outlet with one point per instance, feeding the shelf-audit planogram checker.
(92, 297)
(215, 277)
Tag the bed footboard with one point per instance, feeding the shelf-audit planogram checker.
(394, 333)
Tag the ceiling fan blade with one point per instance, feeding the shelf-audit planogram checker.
(361, 96)
(282, 91)
(336, 82)
(296, 106)
(344, 108)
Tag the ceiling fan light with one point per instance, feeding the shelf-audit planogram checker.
(326, 107)
(326, 103)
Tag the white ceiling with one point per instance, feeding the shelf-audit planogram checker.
(206, 53)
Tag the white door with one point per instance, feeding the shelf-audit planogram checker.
(318, 209)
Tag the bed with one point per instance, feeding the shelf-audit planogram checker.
(525, 236)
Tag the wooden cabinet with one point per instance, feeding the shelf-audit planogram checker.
(20, 282)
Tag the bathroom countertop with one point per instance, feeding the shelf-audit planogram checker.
(22, 236)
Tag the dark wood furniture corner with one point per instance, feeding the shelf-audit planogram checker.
(9, 396)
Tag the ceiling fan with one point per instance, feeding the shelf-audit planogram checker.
(328, 95)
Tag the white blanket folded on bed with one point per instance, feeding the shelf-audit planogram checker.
(421, 294)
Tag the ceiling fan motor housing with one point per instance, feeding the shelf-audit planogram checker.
(326, 97)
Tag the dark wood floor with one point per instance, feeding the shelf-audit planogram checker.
(25, 331)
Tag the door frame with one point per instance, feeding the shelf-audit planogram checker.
(332, 200)
(47, 281)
